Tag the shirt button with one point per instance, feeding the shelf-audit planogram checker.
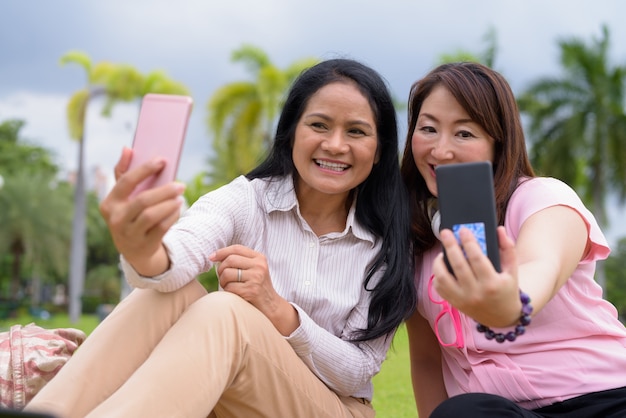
(307, 283)
(311, 244)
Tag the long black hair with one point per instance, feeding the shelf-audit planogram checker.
(382, 203)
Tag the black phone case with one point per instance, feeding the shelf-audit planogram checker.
(466, 197)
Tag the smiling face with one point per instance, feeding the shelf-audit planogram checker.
(335, 141)
(445, 134)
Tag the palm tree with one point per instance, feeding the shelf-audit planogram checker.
(33, 217)
(486, 57)
(578, 125)
(242, 114)
(34, 225)
(17, 155)
(115, 83)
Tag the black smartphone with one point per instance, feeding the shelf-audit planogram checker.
(466, 199)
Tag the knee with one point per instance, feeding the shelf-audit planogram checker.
(176, 301)
(229, 310)
(189, 293)
(219, 304)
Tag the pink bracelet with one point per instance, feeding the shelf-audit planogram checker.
(520, 328)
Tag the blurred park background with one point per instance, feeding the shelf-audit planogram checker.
(72, 75)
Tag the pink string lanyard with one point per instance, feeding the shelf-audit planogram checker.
(449, 312)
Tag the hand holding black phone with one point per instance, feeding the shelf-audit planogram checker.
(466, 198)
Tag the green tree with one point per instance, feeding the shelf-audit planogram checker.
(34, 215)
(242, 114)
(114, 83)
(196, 188)
(17, 155)
(486, 57)
(578, 126)
(34, 229)
(100, 247)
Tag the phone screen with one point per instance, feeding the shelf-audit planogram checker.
(160, 132)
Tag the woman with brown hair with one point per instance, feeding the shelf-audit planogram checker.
(536, 339)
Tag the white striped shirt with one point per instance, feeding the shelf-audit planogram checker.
(322, 277)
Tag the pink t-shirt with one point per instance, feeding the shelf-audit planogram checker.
(575, 345)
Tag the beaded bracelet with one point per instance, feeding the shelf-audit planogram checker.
(520, 328)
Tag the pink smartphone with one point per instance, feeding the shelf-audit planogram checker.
(160, 132)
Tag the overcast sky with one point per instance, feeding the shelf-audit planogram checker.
(192, 42)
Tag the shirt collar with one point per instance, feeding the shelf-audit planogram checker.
(281, 196)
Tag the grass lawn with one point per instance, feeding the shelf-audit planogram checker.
(86, 323)
(393, 394)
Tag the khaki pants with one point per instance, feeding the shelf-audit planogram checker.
(189, 354)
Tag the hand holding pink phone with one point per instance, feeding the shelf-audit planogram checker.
(160, 132)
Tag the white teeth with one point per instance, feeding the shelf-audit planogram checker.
(331, 166)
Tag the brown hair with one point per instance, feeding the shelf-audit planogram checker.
(489, 101)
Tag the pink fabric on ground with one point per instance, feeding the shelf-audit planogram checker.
(30, 356)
